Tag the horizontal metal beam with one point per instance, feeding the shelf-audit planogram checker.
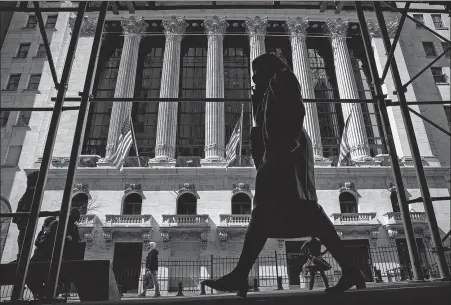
(211, 6)
(26, 214)
(66, 108)
(430, 122)
(203, 100)
(420, 199)
(390, 103)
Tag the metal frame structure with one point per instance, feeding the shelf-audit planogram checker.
(86, 97)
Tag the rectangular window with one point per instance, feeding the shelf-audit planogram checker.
(51, 21)
(32, 22)
(448, 114)
(24, 118)
(23, 50)
(419, 18)
(13, 156)
(33, 83)
(4, 115)
(439, 76)
(41, 51)
(429, 49)
(445, 47)
(13, 82)
(438, 22)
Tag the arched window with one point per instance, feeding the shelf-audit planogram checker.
(187, 204)
(394, 202)
(348, 203)
(132, 204)
(241, 204)
(80, 201)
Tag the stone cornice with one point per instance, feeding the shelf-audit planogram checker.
(215, 25)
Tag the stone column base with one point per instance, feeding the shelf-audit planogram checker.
(213, 162)
(322, 162)
(162, 162)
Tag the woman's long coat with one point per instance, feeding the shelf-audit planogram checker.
(285, 194)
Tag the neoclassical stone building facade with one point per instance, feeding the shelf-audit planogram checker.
(182, 196)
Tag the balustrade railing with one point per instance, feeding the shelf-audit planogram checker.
(126, 220)
(345, 218)
(396, 218)
(87, 220)
(177, 220)
(234, 220)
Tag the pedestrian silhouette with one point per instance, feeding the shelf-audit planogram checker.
(286, 205)
(315, 262)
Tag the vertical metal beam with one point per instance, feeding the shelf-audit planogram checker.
(55, 266)
(395, 42)
(422, 182)
(396, 170)
(46, 43)
(22, 268)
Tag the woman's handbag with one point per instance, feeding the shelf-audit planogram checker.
(148, 280)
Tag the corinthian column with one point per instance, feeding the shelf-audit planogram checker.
(301, 68)
(394, 113)
(174, 29)
(214, 112)
(125, 84)
(256, 29)
(347, 87)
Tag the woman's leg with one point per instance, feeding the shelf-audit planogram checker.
(312, 279)
(325, 280)
(254, 241)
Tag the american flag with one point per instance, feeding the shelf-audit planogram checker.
(345, 148)
(233, 143)
(124, 143)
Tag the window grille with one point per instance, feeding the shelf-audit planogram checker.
(438, 21)
(24, 118)
(191, 115)
(33, 83)
(439, 76)
(99, 117)
(51, 21)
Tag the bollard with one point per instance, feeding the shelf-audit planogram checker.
(180, 293)
(255, 285)
(202, 289)
(279, 283)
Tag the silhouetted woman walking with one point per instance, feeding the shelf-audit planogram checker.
(285, 195)
(312, 249)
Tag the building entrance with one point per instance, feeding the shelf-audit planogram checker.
(127, 265)
(359, 250)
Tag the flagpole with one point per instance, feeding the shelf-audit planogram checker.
(132, 129)
(241, 133)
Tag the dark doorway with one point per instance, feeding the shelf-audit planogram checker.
(127, 265)
(359, 250)
(295, 261)
(405, 266)
(187, 204)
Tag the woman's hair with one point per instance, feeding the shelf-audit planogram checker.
(269, 64)
(152, 245)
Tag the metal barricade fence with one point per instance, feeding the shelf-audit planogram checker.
(382, 261)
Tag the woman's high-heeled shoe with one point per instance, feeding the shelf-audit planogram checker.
(229, 283)
(348, 280)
